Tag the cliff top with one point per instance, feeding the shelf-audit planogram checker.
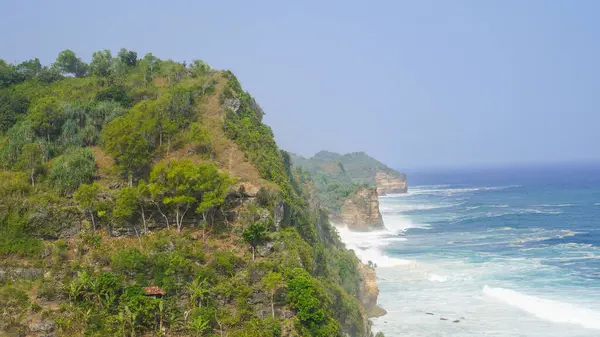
(128, 173)
(355, 167)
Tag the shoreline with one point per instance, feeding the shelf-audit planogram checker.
(479, 276)
(369, 289)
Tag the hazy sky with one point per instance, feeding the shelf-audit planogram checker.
(415, 84)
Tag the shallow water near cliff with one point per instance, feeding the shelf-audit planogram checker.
(512, 255)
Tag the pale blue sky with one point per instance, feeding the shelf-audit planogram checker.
(414, 83)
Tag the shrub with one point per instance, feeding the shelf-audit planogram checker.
(225, 262)
(14, 239)
(72, 169)
(142, 310)
(15, 305)
(115, 93)
(170, 270)
(129, 261)
(267, 327)
(308, 299)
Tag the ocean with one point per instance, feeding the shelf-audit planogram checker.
(504, 252)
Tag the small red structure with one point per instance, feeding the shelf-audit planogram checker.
(154, 291)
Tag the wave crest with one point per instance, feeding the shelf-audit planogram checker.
(550, 310)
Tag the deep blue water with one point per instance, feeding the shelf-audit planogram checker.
(505, 252)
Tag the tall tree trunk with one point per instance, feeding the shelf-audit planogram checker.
(130, 176)
(144, 219)
(163, 215)
(253, 255)
(138, 236)
(204, 225)
(177, 220)
(272, 306)
(32, 177)
(187, 207)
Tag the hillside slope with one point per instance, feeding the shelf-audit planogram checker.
(140, 196)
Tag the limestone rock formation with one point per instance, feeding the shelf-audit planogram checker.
(368, 291)
(360, 212)
(388, 183)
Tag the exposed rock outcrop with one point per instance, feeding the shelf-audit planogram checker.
(15, 274)
(360, 212)
(368, 291)
(388, 183)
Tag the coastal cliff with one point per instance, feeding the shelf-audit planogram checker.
(338, 176)
(360, 212)
(390, 183)
(348, 188)
(368, 291)
(183, 205)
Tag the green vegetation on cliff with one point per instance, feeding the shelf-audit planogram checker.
(337, 176)
(141, 196)
(355, 167)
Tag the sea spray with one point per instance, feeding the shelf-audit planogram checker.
(368, 246)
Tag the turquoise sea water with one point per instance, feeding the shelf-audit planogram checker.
(501, 253)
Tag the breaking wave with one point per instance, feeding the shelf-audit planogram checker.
(550, 310)
(369, 246)
(435, 190)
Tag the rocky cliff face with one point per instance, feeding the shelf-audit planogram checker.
(368, 291)
(387, 183)
(360, 212)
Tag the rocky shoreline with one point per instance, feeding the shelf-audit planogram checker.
(360, 213)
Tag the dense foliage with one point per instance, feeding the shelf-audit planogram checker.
(337, 176)
(118, 219)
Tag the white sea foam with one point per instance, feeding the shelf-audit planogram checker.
(496, 214)
(435, 190)
(450, 285)
(368, 246)
(470, 208)
(556, 205)
(413, 207)
(550, 310)
(424, 187)
(547, 235)
(437, 278)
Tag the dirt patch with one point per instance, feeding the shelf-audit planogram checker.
(227, 153)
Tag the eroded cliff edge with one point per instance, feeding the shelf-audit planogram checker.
(369, 291)
(360, 211)
(388, 183)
